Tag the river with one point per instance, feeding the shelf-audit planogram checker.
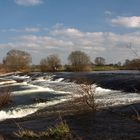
(31, 92)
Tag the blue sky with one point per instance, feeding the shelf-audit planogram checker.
(44, 27)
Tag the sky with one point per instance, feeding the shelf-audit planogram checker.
(100, 28)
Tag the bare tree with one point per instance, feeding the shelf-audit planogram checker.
(50, 63)
(127, 61)
(17, 60)
(133, 64)
(134, 51)
(119, 64)
(100, 61)
(79, 61)
(84, 97)
(87, 92)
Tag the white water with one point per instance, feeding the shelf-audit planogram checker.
(105, 97)
(20, 77)
(23, 111)
(113, 98)
(7, 82)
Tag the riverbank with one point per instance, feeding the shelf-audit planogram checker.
(115, 123)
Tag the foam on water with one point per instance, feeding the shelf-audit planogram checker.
(36, 89)
(113, 97)
(59, 80)
(7, 82)
(105, 97)
(100, 90)
(20, 77)
(118, 100)
(23, 111)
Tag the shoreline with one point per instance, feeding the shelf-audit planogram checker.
(111, 123)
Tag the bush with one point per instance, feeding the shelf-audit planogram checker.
(58, 132)
(5, 99)
(86, 93)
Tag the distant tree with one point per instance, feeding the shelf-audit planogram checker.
(50, 63)
(133, 64)
(119, 64)
(17, 60)
(79, 61)
(127, 61)
(99, 61)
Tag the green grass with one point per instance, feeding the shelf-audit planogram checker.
(105, 68)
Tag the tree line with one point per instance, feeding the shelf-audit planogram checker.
(17, 60)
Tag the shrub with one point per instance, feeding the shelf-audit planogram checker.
(5, 99)
(86, 93)
(58, 132)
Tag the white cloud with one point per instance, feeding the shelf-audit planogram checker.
(28, 2)
(129, 22)
(60, 40)
(32, 29)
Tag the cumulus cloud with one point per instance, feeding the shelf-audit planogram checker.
(129, 22)
(28, 2)
(62, 40)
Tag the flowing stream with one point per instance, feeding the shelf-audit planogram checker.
(34, 91)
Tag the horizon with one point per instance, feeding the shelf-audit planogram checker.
(45, 27)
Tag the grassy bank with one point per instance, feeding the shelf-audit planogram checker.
(106, 68)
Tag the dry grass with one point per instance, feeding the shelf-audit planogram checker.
(59, 132)
(5, 99)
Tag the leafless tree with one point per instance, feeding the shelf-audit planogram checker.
(50, 63)
(133, 64)
(100, 61)
(87, 92)
(79, 61)
(17, 60)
